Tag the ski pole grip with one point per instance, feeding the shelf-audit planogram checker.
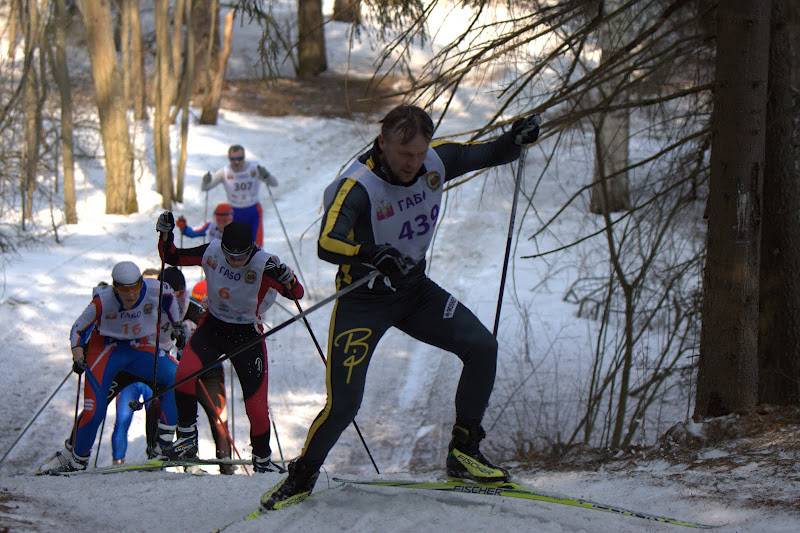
(136, 405)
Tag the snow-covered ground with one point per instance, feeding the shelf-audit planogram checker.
(408, 406)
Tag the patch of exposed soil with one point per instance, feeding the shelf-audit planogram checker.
(752, 458)
(325, 96)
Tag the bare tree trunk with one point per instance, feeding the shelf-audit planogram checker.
(125, 51)
(33, 111)
(13, 21)
(61, 74)
(310, 39)
(163, 99)
(728, 369)
(779, 338)
(205, 27)
(347, 11)
(185, 98)
(138, 77)
(214, 97)
(120, 190)
(612, 128)
(176, 63)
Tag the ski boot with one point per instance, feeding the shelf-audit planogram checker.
(296, 487)
(465, 460)
(226, 470)
(261, 465)
(184, 447)
(163, 442)
(63, 461)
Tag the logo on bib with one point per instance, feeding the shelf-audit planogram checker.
(384, 210)
(148, 308)
(250, 276)
(210, 261)
(433, 179)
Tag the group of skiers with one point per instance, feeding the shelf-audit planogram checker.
(379, 219)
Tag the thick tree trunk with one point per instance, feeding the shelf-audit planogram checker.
(779, 335)
(120, 191)
(611, 190)
(11, 29)
(611, 160)
(347, 11)
(205, 28)
(61, 74)
(163, 99)
(125, 51)
(728, 373)
(183, 103)
(138, 76)
(214, 97)
(310, 39)
(33, 111)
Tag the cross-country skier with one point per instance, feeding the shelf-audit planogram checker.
(124, 318)
(243, 281)
(211, 385)
(223, 215)
(242, 181)
(119, 437)
(381, 214)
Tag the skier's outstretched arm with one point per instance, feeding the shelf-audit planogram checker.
(460, 158)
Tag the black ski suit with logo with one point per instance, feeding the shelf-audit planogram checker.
(415, 305)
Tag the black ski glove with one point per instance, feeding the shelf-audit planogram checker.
(526, 130)
(390, 262)
(206, 181)
(179, 334)
(166, 222)
(279, 272)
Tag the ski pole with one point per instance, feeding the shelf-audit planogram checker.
(286, 234)
(221, 424)
(231, 404)
(39, 412)
(205, 216)
(158, 317)
(517, 181)
(100, 441)
(325, 362)
(75, 420)
(136, 405)
(277, 439)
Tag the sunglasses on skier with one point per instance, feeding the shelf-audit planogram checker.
(237, 158)
(128, 290)
(237, 258)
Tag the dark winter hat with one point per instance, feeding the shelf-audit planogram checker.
(174, 277)
(237, 239)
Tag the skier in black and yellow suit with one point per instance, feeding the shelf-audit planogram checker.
(381, 214)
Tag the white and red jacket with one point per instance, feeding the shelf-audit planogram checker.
(138, 324)
(235, 295)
